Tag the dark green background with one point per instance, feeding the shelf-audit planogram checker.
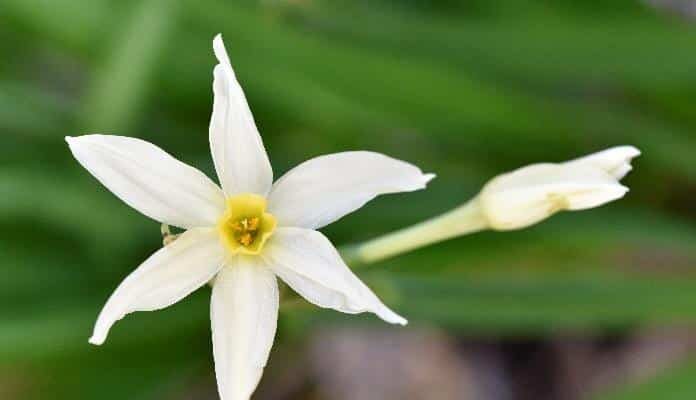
(464, 89)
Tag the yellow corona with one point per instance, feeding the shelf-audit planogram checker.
(245, 226)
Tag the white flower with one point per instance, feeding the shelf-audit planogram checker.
(244, 235)
(530, 194)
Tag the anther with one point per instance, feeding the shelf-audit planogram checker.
(253, 224)
(246, 239)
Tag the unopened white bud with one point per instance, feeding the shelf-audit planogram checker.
(531, 194)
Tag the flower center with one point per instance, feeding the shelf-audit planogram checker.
(245, 226)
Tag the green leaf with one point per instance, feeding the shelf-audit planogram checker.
(120, 88)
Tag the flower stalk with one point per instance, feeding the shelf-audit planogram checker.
(462, 220)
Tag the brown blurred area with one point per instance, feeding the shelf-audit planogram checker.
(429, 364)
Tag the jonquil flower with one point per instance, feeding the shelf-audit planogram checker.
(244, 235)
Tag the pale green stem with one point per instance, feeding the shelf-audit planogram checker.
(459, 221)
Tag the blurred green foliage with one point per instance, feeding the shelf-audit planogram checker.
(467, 90)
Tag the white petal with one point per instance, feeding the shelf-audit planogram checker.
(244, 314)
(240, 159)
(321, 190)
(615, 161)
(166, 277)
(310, 264)
(150, 180)
(533, 193)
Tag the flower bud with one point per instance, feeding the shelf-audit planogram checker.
(531, 194)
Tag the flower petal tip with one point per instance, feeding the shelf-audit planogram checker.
(617, 192)
(393, 318)
(76, 140)
(631, 151)
(626, 151)
(96, 341)
(217, 43)
(73, 144)
(219, 50)
(428, 177)
(71, 140)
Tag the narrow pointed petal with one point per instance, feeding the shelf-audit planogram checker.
(243, 314)
(150, 180)
(166, 277)
(240, 159)
(311, 265)
(324, 189)
(615, 161)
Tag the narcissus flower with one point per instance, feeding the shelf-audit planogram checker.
(243, 235)
(533, 193)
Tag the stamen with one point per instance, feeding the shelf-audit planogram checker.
(246, 239)
(253, 224)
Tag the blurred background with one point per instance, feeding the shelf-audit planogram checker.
(596, 305)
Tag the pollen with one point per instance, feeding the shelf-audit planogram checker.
(245, 226)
